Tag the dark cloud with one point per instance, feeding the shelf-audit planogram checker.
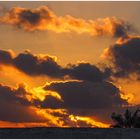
(85, 98)
(49, 102)
(125, 56)
(15, 107)
(5, 57)
(33, 65)
(28, 19)
(84, 94)
(88, 99)
(29, 16)
(85, 71)
(120, 30)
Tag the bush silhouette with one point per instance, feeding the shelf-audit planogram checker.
(127, 120)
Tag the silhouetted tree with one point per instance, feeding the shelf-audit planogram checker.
(118, 119)
(128, 120)
(136, 119)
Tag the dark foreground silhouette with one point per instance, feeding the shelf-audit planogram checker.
(127, 120)
(70, 133)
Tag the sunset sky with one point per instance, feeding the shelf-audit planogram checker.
(68, 64)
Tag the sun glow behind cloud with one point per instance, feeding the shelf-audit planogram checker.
(63, 119)
(39, 93)
(89, 121)
(71, 93)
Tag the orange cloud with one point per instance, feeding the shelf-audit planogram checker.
(43, 18)
(88, 121)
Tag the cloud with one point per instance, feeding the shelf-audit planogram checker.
(86, 98)
(22, 108)
(92, 95)
(88, 89)
(49, 102)
(87, 72)
(32, 64)
(5, 57)
(36, 65)
(43, 18)
(15, 107)
(32, 17)
(87, 93)
(125, 56)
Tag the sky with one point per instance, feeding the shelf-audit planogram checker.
(65, 64)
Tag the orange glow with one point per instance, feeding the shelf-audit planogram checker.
(40, 93)
(127, 96)
(9, 72)
(88, 120)
(123, 40)
(6, 124)
(105, 53)
(12, 76)
(130, 90)
(53, 120)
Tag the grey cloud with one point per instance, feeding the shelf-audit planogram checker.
(34, 65)
(14, 107)
(5, 57)
(87, 94)
(125, 56)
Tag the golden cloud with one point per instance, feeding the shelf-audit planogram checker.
(43, 18)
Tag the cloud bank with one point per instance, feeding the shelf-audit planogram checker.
(35, 65)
